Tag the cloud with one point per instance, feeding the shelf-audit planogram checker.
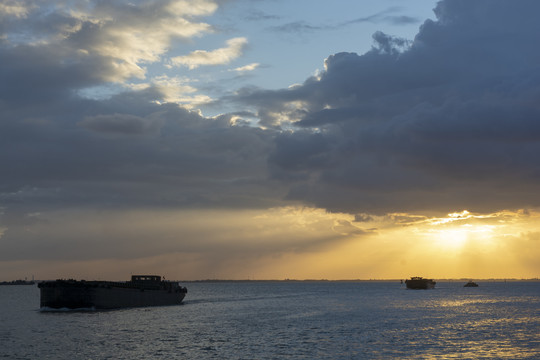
(385, 17)
(247, 68)
(101, 41)
(178, 90)
(118, 124)
(255, 15)
(298, 27)
(219, 56)
(448, 122)
(13, 8)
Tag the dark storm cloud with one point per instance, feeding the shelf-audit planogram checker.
(119, 123)
(450, 121)
(131, 148)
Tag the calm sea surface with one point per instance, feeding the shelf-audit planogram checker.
(287, 320)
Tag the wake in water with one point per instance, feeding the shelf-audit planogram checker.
(49, 309)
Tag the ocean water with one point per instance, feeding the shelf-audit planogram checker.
(287, 320)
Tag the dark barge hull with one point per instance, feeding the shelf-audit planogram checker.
(72, 294)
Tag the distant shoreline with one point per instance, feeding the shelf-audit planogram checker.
(352, 280)
(18, 282)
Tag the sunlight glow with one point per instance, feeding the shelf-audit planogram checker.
(454, 238)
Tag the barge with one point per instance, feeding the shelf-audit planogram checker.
(141, 290)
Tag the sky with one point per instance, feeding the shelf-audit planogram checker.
(269, 139)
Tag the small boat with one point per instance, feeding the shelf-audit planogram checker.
(471, 284)
(419, 283)
(142, 290)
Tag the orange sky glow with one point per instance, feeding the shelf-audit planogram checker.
(300, 243)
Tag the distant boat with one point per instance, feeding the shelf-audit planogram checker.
(471, 284)
(419, 283)
(142, 290)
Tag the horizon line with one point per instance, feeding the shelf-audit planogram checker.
(319, 280)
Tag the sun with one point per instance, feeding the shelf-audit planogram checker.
(452, 239)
